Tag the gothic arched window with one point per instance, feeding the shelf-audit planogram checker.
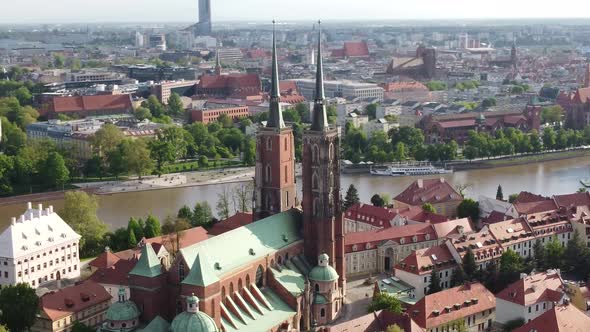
(315, 182)
(286, 144)
(315, 154)
(316, 206)
(268, 144)
(268, 173)
(331, 151)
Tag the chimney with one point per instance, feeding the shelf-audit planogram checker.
(523, 275)
(22, 218)
(420, 183)
(13, 220)
(29, 206)
(442, 180)
(40, 208)
(50, 209)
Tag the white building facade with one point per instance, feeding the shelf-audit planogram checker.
(38, 247)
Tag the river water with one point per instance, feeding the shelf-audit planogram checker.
(547, 178)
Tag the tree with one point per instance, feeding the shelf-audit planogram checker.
(499, 193)
(551, 114)
(152, 227)
(384, 301)
(468, 208)
(469, 265)
(185, 213)
(23, 95)
(512, 198)
(511, 265)
(488, 102)
(131, 240)
(536, 144)
(153, 104)
(242, 197)
(428, 208)
(514, 324)
(539, 254)
(352, 197)
(376, 200)
(576, 256)
(458, 277)
(138, 157)
(173, 231)
(203, 161)
(80, 213)
(58, 61)
(106, 139)
(56, 174)
(549, 138)
(133, 226)
(434, 283)
(202, 215)
(6, 172)
(223, 201)
(225, 121)
(19, 306)
(394, 328)
(554, 253)
(142, 113)
(162, 152)
(249, 149)
(175, 106)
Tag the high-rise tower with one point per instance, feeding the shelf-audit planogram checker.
(323, 226)
(275, 155)
(204, 25)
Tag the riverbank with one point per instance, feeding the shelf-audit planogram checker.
(174, 180)
(39, 197)
(518, 160)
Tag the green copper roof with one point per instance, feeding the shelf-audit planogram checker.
(122, 311)
(323, 273)
(193, 322)
(148, 264)
(200, 273)
(157, 324)
(241, 246)
(320, 299)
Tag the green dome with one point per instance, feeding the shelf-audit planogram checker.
(122, 311)
(323, 273)
(193, 322)
(320, 299)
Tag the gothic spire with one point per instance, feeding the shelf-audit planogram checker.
(275, 114)
(320, 116)
(217, 61)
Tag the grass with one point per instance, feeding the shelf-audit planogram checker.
(190, 166)
(535, 158)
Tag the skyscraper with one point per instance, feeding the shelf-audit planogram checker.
(204, 25)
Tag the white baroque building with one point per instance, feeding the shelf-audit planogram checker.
(38, 247)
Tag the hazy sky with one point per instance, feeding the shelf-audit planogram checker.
(31, 11)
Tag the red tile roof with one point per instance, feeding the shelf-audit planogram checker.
(528, 197)
(116, 274)
(511, 231)
(483, 245)
(374, 215)
(562, 318)
(377, 322)
(105, 260)
(404, 86)
(582, 95)
(187, 238)
(570, 200)
(120, 103)
(527, 203)
(422, 261)
(423, 312)
(495, 217)
(539, 287)
(229, 81)
(73, 299)
(453, 227)
(375, 237)
(428, 191)
(356, 49)
(237, 220)
(417, 214)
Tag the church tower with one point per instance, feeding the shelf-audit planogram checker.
(586, 80)
(514, 55)
(217, 63)
(322, 212)
(275, 190)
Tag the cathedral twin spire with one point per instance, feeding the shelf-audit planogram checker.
(319, 114)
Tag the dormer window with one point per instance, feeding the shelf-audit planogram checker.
(354, 248)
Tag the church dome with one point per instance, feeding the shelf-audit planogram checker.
(323, 272)
(122, 310)
(192, 320)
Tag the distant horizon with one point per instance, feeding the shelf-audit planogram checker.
(257, 11)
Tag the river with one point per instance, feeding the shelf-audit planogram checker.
(547, 178)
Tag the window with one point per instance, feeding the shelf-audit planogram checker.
(286, 144)
(268, 144)
(323, 312)
(268, 173)
(315, 154)
(317, 287)
(286, 174)
(181, 271)
(315, 181)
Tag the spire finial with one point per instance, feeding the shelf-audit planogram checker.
(320, 116)
(275, 119)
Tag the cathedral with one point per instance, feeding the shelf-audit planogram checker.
(284, 272)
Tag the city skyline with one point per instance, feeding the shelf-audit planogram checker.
(234, 10)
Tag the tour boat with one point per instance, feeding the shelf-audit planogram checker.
(419, 169)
